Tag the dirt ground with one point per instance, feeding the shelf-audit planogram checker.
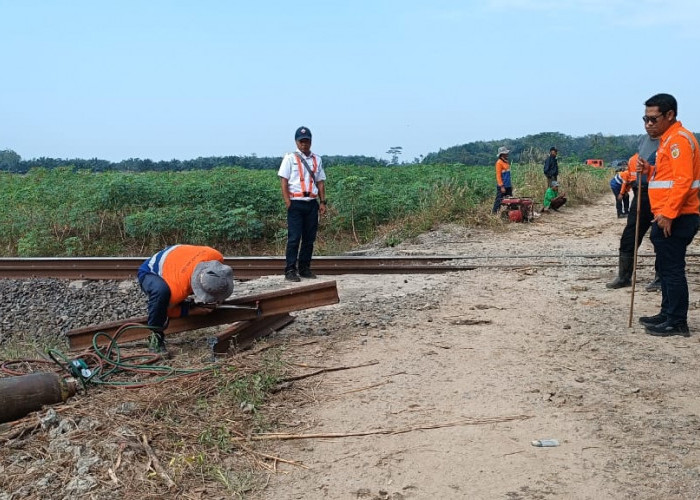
(435, 387)
(456, 374)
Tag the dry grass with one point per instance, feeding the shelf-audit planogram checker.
(176, 437)
(454, 204)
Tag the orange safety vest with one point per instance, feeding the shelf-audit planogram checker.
(175, 265)
(675, 180)
(501, 166)
(306, 193)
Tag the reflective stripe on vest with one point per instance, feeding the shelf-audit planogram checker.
(305, 193)
(155, 263)
(692, 143)
(669, 184)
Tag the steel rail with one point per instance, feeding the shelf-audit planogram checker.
(244, 268)
(252, 308)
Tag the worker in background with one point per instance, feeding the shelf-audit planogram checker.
(674, 184)
(504, 187)
(552, 199)
(622, 202)
(303, 183)
(639, 184)
(169, 278)
(551, 166)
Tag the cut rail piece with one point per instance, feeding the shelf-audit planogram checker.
(258, 306)
(243, 333)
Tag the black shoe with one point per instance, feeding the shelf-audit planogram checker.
(618, 283)
(654, 286)
(668, 329)
(653, 320)
(160, 349)
(306, 273)
(621, 216)
(292, 275)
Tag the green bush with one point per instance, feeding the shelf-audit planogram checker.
(65, 212)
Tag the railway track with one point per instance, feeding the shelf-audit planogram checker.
(118, 268)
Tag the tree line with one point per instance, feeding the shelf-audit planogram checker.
(528, 149)
(12, 162)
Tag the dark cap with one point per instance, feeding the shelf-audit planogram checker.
(553, 149)
(302, 133)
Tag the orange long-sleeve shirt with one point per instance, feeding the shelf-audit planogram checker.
(629, 175)
(675, 180)
(502, 167)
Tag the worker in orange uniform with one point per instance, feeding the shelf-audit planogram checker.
(503, 184)
(629, 178)
(169, 278)
(674, 184)
(622, 201)
(638, 184)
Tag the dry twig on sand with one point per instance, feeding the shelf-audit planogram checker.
(326, 370)
(156, 464)
(468, 421)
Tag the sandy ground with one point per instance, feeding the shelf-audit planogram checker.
(464, 370)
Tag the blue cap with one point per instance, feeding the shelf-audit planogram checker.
(302, 133)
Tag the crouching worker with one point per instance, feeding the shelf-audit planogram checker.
(552, 199)
(622, 197)
(176, 272)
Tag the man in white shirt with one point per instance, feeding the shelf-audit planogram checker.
(302, 179)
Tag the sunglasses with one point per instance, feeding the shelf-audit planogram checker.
(652, 119)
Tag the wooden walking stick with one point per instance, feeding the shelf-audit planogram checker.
(636, 246)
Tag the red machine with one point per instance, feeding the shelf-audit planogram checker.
(518, 209)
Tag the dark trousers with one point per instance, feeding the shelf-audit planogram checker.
(550, 178)
(158, 293)
(645, 218)
(302, 225)
(670, 264)
(499, 198)
(557, 202)
(622, 206)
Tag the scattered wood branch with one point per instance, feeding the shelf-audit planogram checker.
(156, 464)
(271, 457)
(21, 432)
(359, 389)
(469, 421)
(326, 370)
(113, 476)
(470, 321)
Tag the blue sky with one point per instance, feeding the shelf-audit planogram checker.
(181, 79)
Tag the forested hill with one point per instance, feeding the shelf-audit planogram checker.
(534, 148)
